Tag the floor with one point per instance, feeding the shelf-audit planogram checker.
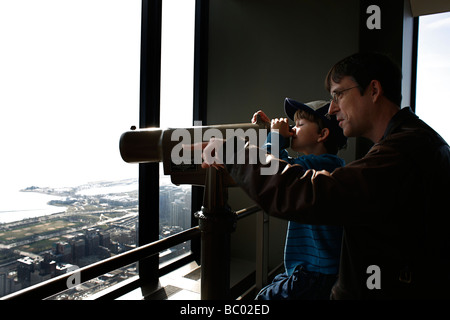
(184, 283)
(181, 284)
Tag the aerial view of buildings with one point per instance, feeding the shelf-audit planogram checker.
(96, 221)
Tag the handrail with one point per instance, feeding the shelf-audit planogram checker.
(55, 285)
(247, 211)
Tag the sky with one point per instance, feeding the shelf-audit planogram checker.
(433, 72)
(177, 63)
(69, 85)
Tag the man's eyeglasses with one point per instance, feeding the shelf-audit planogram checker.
(336, 95)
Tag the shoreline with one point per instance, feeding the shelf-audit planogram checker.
(73, 199)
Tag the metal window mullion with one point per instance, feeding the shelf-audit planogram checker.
(149, 110)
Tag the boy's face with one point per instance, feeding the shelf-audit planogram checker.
(306, 136)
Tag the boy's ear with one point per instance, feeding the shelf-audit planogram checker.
(323, 135)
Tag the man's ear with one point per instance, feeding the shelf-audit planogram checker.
(323, 135)
(376, 90)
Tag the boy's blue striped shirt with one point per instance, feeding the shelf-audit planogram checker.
(316, 248)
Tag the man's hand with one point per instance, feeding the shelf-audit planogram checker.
(210, 155)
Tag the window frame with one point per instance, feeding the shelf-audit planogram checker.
(149, 108)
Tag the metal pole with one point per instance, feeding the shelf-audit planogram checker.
(262, 249)
(216, 222)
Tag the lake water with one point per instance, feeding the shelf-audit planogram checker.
(16, 205)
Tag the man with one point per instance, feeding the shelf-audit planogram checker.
(392, 203)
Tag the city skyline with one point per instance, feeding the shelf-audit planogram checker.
(90, 227)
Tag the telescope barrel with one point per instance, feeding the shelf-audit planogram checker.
(166, 145)
(141, 146)
(154, 144)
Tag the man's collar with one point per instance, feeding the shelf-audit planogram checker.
(402, 115)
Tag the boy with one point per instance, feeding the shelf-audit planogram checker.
(311, 255)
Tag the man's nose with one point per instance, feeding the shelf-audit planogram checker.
(334, 108)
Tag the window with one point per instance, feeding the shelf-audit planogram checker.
(433, 72)
(177, 88)
(69, 87)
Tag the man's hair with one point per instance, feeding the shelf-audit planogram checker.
(330, 142)
(365, 67)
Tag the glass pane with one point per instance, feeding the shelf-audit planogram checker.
(69, 87)
(433, 72)
(177, 76)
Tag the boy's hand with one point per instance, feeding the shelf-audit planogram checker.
(282, 125)
(262, 116)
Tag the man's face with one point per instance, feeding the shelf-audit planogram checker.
(352, 110)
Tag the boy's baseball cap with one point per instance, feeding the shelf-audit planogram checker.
(320, 109)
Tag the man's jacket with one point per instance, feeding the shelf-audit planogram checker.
(392, 203)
